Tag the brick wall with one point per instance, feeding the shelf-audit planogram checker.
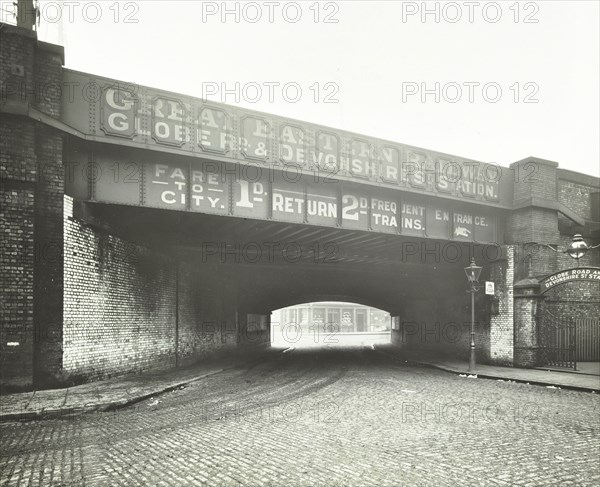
(48, 79)
(18, 175)
(17, 69)
(548, 226)
(48, 228)
(17, 198)
(31, 191)
(532, 224)
(534, 178)
(119, 304)
(526, 352)
(539, 190)
(502, 324)
(575, 300)
(574, 191)
(129, 309)
(16, 284)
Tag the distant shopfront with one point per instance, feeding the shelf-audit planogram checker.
(332, 317)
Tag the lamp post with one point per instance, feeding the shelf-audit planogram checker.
(472, 272)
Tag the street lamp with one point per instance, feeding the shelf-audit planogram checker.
(472, 273)
(576, 249)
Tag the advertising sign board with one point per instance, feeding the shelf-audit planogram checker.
(187, 184)
(137, 116)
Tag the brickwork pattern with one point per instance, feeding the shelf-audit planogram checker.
(48, 83)
(544, 225)
(534, 178)
(541, 225)
(502, 324)
(18, 174)
(526, 351)
(532, 224)
(48, 292)
(16, 64)
(577, 196)
(17, 150)
(119, 305)
(31, 174)
(130, 309)
(16, 284)
(573, 300)
(483, 316)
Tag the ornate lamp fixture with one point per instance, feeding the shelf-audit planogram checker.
(577, 248)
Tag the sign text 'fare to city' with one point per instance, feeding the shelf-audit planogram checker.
(216, 187)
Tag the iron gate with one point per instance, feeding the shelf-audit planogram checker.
(558, 341)
(588, 340)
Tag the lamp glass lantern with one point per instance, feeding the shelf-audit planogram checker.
(578, 247)
(472, 272)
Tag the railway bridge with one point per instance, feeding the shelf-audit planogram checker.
(144, 229)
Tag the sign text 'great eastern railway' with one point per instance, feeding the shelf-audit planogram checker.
(137, 116)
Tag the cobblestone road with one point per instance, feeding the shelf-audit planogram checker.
(321, 418)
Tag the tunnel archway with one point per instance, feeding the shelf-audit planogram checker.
(328, 323)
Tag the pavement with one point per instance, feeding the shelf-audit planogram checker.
(116, 393)
(583, 380)
(112, 393)
(590, 368)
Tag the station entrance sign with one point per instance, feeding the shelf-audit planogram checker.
(576, 274)
(187, 184)
(137, 116)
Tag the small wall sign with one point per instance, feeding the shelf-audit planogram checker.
(489, 287)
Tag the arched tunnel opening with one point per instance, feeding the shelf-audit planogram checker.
(222, 278)
(330, 324)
